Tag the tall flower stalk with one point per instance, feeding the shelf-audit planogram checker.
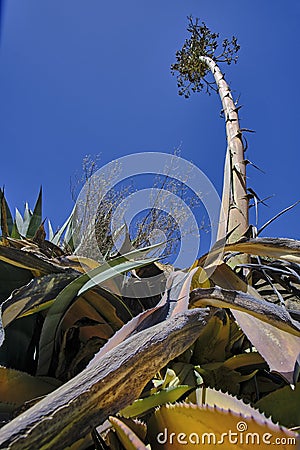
(193, 63)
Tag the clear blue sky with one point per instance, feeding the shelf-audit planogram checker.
(94, 77)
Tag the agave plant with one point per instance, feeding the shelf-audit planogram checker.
(217, 353)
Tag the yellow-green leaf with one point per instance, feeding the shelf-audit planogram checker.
(128, 438)
(142, 405)
(174, 427)
(283, 406)
(18, 387)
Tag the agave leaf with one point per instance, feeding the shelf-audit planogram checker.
(282, 405)
(127, 245)
(265, 338)
(18, 387)
(66, 298)
(147, 318)
(143, 405)
(89, 323)
(15, 232)
(80, 263)
(29, 261)
(96, 277)
(26, 218)
(12, 277)
(212, 343)
(221, 377)
(18, 349)
(99, 305)
(226, 278)
(127, 437)
(265, 324)
(187, 374)
(267, 312)
(278, 248)
(6, 220)
(178, 291)
(101, 390)
(36, 217)
(225, 401)
(137, 426)
(244, 360)
(50, 231)
(36, 296)
(58, 235)
(20, 222)
(200, 279)
(296, 370)
(170, 379)
(75, 354)
(167, 307)
(173, 426)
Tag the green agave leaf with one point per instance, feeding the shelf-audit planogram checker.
(137, 426)
(12, 277)
(218, 376)
(143, 405)
(170, 377)
(6, 220)
(282, 405)
(20, 222)
(15, 232)
(6, 412)
(18, 387)
(185, 374)
(96, 277)
(225, 401)
(18, 349)
(36, 217)
(127, 437)
(244, 360)
(188, 425)
(114, 269)
(36, 296)
(66, 226)
(212, 343)
(66, 297)
(26, 218)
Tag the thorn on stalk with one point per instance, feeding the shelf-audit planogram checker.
(247, 161)
(247, 130)
(238, 108)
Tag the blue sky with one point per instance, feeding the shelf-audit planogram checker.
(94, 77)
